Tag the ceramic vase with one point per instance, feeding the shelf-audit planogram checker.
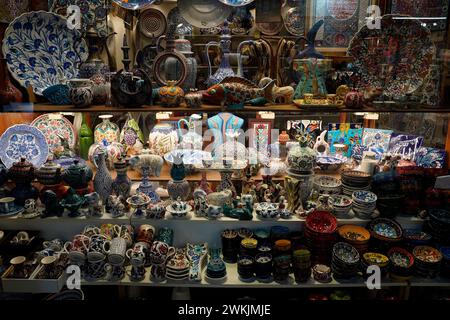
(301, 158)
(178, 189)
(86, 137)
(102, 180)
(298, 189)
(106, 132)
(122, 184)
(81, 92)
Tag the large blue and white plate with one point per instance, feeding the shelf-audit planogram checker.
(236, 3)
(23, 140)
(134, 4)
(42, 51)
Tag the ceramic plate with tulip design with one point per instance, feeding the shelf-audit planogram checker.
(41, 51)
(23, 141)
(56, 128)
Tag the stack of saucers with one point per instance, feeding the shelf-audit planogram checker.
(177, 268)
(439, 226)
(364, 204)
(357, 236)
(320, 235)
(384, 234)
(345, 262)
(427, 261)
(355, 181)
(374, 259)
(340, 205)
(401, 263)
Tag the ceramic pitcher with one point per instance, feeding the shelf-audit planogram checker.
(193, 136)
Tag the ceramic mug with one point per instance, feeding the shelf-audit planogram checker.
(136, 256)
(56, 245)
(18, 264)
(78, 247)
(116, 250)
(308, 98)
(145, 233)
(49, 267)
(107, 229)
(91, 230)
(30, 206)
(7, 204)
(97, 242)
(159, 252)
(21, 238)
(125, 232)
(332, 99)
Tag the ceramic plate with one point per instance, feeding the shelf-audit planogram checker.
(26, 141)
(11, 9)
(152, 23)
(294, 20)
(93, 13)
(204, 13)
(42, 51)
(17, 210)
(55, 126)
(270, 28)
(134, 4)
(175, 18)
(396, 57)
(236, 3)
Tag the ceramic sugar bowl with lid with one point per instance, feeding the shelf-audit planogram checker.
(301, 159)
(78, 175)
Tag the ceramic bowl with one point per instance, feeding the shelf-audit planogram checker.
(329, 164)
(427, 254)
(374, 258)
(266, 210)
(400, 258)
(346, 253)
(364, 197)
(58, 94)
(328, 185)
(354, 234)
(321, 222)
(385, 229)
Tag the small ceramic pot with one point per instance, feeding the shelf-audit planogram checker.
(160, 252)
(171, 95)
(246, 267)
(194, 99)
(145, 233)
(80, 92)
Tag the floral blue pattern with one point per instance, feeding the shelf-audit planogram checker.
(42, 51)
(23, 141)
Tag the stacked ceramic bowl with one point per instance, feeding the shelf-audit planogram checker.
(439, 226)
(345, 261)
(357, 236)
(355, 181)
(384, 234)
(327, 185)
(445, 264)
(364, 204)
(374, 259)
(401, 263)
(340, 206)
(320, 235)
(413, 238)
(427, 261)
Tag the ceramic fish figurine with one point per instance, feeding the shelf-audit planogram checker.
(234, 92)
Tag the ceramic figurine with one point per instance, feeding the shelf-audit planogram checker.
(220, 198)
(113, 150)
(52, 205)
(298, 190)
(242, 213)
(131, 136)
(103, 182)
(213, 212)
(279, 94)
(115, 206)
(72, 202)
(22, 173)
(81, 92)
(283, 212)
(200, 203)
(92, 207)
(196, 254)
(234, 92)
(204, 184)
(171, 95)
(86, 138)
(121, 185)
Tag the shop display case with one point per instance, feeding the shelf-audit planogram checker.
(162, 146)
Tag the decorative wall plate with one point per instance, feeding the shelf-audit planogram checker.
(23, 140)
(133, 4)
(11, 9)
(175, 18)
(55, 126)
(294, 18)
(236, 3)
(152, 23)
(42, 51)
(396, 57)
(270, 28)
(204, 13)
(93, 13)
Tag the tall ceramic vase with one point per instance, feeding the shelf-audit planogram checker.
(86, 138)
(298, 189)
(102, 181)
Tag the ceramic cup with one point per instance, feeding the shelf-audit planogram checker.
(116, 250)
(332, 99)
(96, 243)
(145, 233)
(18, 264)
(49, 267)
(80, 92)
(77, 248)
(308, 98)
(55, 245)
(21, 238)
(107, 229)
(159, 252)
(91, 230)
(7, 204)
(125, 232)
(136, 256)
(30, 206)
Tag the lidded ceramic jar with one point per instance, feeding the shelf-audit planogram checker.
(77, 175)
(49, 174)
(301, 159)
(171, 95)
(22, 172)
(106, 132)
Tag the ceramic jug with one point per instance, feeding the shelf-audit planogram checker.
(193, 137)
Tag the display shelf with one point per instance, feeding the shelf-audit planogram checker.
(233, 281)
(436, 282)
(380, 107)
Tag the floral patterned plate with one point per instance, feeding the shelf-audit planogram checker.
(42, 51)
(23, 140)
(395, 57)
(55, 127)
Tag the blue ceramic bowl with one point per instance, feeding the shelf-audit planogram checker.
(58, 94)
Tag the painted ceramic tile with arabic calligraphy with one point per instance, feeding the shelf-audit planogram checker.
(431, 158)
(423, 8)
(405, 144)
(349, 137)
(377, 140)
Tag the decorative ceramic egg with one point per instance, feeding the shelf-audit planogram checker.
(171, 95)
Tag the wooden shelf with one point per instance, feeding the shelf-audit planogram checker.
(288, 108)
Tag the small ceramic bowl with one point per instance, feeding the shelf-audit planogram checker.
(266, 210)
(322, 273)
(58, 94)
(328, 185)
(329, 164)
(364, 197)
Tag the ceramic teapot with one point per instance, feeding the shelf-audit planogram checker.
(78, 175)
(22, 172)
(49, 174)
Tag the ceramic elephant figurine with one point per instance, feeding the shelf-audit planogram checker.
(52, 205)
(92, 207)
(151, 161)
